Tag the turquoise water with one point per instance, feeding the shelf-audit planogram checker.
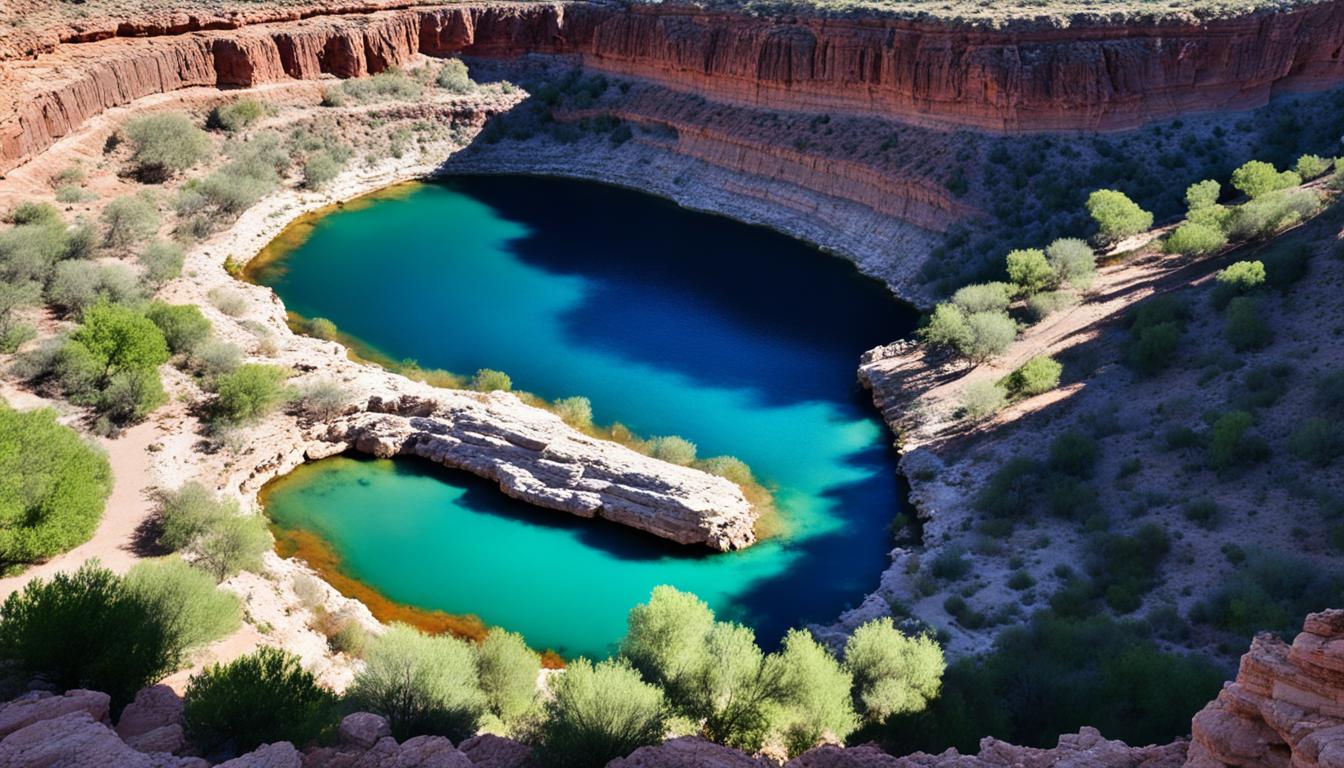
(672, 322)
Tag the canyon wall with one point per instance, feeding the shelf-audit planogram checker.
(1018, 79)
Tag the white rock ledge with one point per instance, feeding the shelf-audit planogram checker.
(537, 458)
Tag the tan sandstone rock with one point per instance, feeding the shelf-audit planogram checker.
(362, 730)
(281, 754)
(688, 752)
(490, 751)
(76, 740)
(39, 706)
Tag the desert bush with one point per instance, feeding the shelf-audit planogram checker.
(575, 411)
(818, 694)
(121, 339)
(990, 335)
(1271, 592)
(183, 326)
(1266, 215)
(228, 301)
(320, 168)
(488, 380)
(78, 285)
(1073, 262)
(1029, 270)
(1116, 216)
(1038, 375)
(1011, 489)
(984, 297)
(893, 673)
(250, 392)
(188, 513)
(161, 262)
(951, 564)
(1155, 330)
(29, 212)
(163, 145)
(673, 449)
(1238, 278)
(238, 115)
(321, 328)
(260, 698)
(391, 85)
(1125, 568)
(72, 195)
(1195, 239)
(946, 327)
(1245, 328)
(1232, 443)
(421, 684)
(129, 220)
(1202, 194)
(186, 600)
(599, 713)
(1319, 441)
(507, 670)
(85, 630)
(454, 78)
(323, 399)
(1074, 453)
(231, 545)
(1286, 265)
(1202, 512)
(1257, 178)
(214, 358)
(1264, 385)
(728, 467)
(1045, 303)
(982, 399)
(1311, 167)
(53, 487)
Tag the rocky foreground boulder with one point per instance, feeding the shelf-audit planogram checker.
(1284, 710)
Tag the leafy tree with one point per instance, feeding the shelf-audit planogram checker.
(1257, 178)
(664, 639)
(947, 328)
(508, 670)
(166, 144)
(421, 684)
(129, 220)
(121, 340)
(260, 698)
(85, 630)
(53, 487)
(161, 262)
(1271, 212)
(1030, 271)
(185, 600)
(249, 393)
(1117, 216)
(817, 694)
(1245, 328)
(1194, 239)
(599, 713)
(670, 448)
(1072, 262)
(488, 380)
(1203, 194)
(984, 297)
(1038, 375)
(183, 326)
(232, 545)
(893, 673)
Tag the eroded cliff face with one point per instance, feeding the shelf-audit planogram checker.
(1078, 78)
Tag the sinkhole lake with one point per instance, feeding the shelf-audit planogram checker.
(673, 322)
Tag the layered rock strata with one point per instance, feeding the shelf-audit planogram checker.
(536, 457)
(1021, 78)
(1286, 707)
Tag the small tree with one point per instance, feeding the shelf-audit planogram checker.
(256, 699)
(121, 340)
(664, 639)
(818, 694)
(1231, 442)
(1238, 278)
(184, 327)
(508, 672)
(1072, 262)
(189, 513)
(1117, 216)
(129, 220)
(599, 713)
(735, 692)
(947, 328)
(1202, 194)
(893, 673)
(1038, 375)
(249, 393)
(163, 145)
(1257, 178)
(1030, 271)
(421, 684)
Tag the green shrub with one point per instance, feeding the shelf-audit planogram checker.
(488, 380)
(260, 698)
(163, 145)
(1195, 239)
(1203, 512)
(575, 411)
(1272, 592)
(947, 328)
(77, 285)
(183, 326)
(53, 486)
(161, 262)
(1286, 265)
(72, 195)
(729, 467)
(1311, 167)
(454, 78)
(189, 513)
(1074, 453)
(249, 393)
(232, 545)
(236, 116)
(1266, 215)
(599, 713)
(14, 299)
(951, 564)
(228, 301)
(1319, 441)
(1231, 442)
(982, 398)
(121, 339)
(1264, 385)
(214, 358)
(508, 671)
(1245, 329)
(391, 85)
(893, 673)
(1117, 216)
(1238, 278)
(1155, 328)
(991, 333)
(85, 630)
(1029, 271)
(29, 212)
(1125, 568)
(129, 220)
(1011, 489)
(1038, 375)
(323, 399)
(421, 684)
(186, 600)
(321, 328)
(818, 693)
(670, 448)
(1202, 194)
(984, 297)
(1046, 303)
(1073, 262)
(1257, 178)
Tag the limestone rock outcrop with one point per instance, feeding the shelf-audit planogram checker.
(153, 721)
(76, 740)
(36, 706)
(536, 457)
(1286, 707)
